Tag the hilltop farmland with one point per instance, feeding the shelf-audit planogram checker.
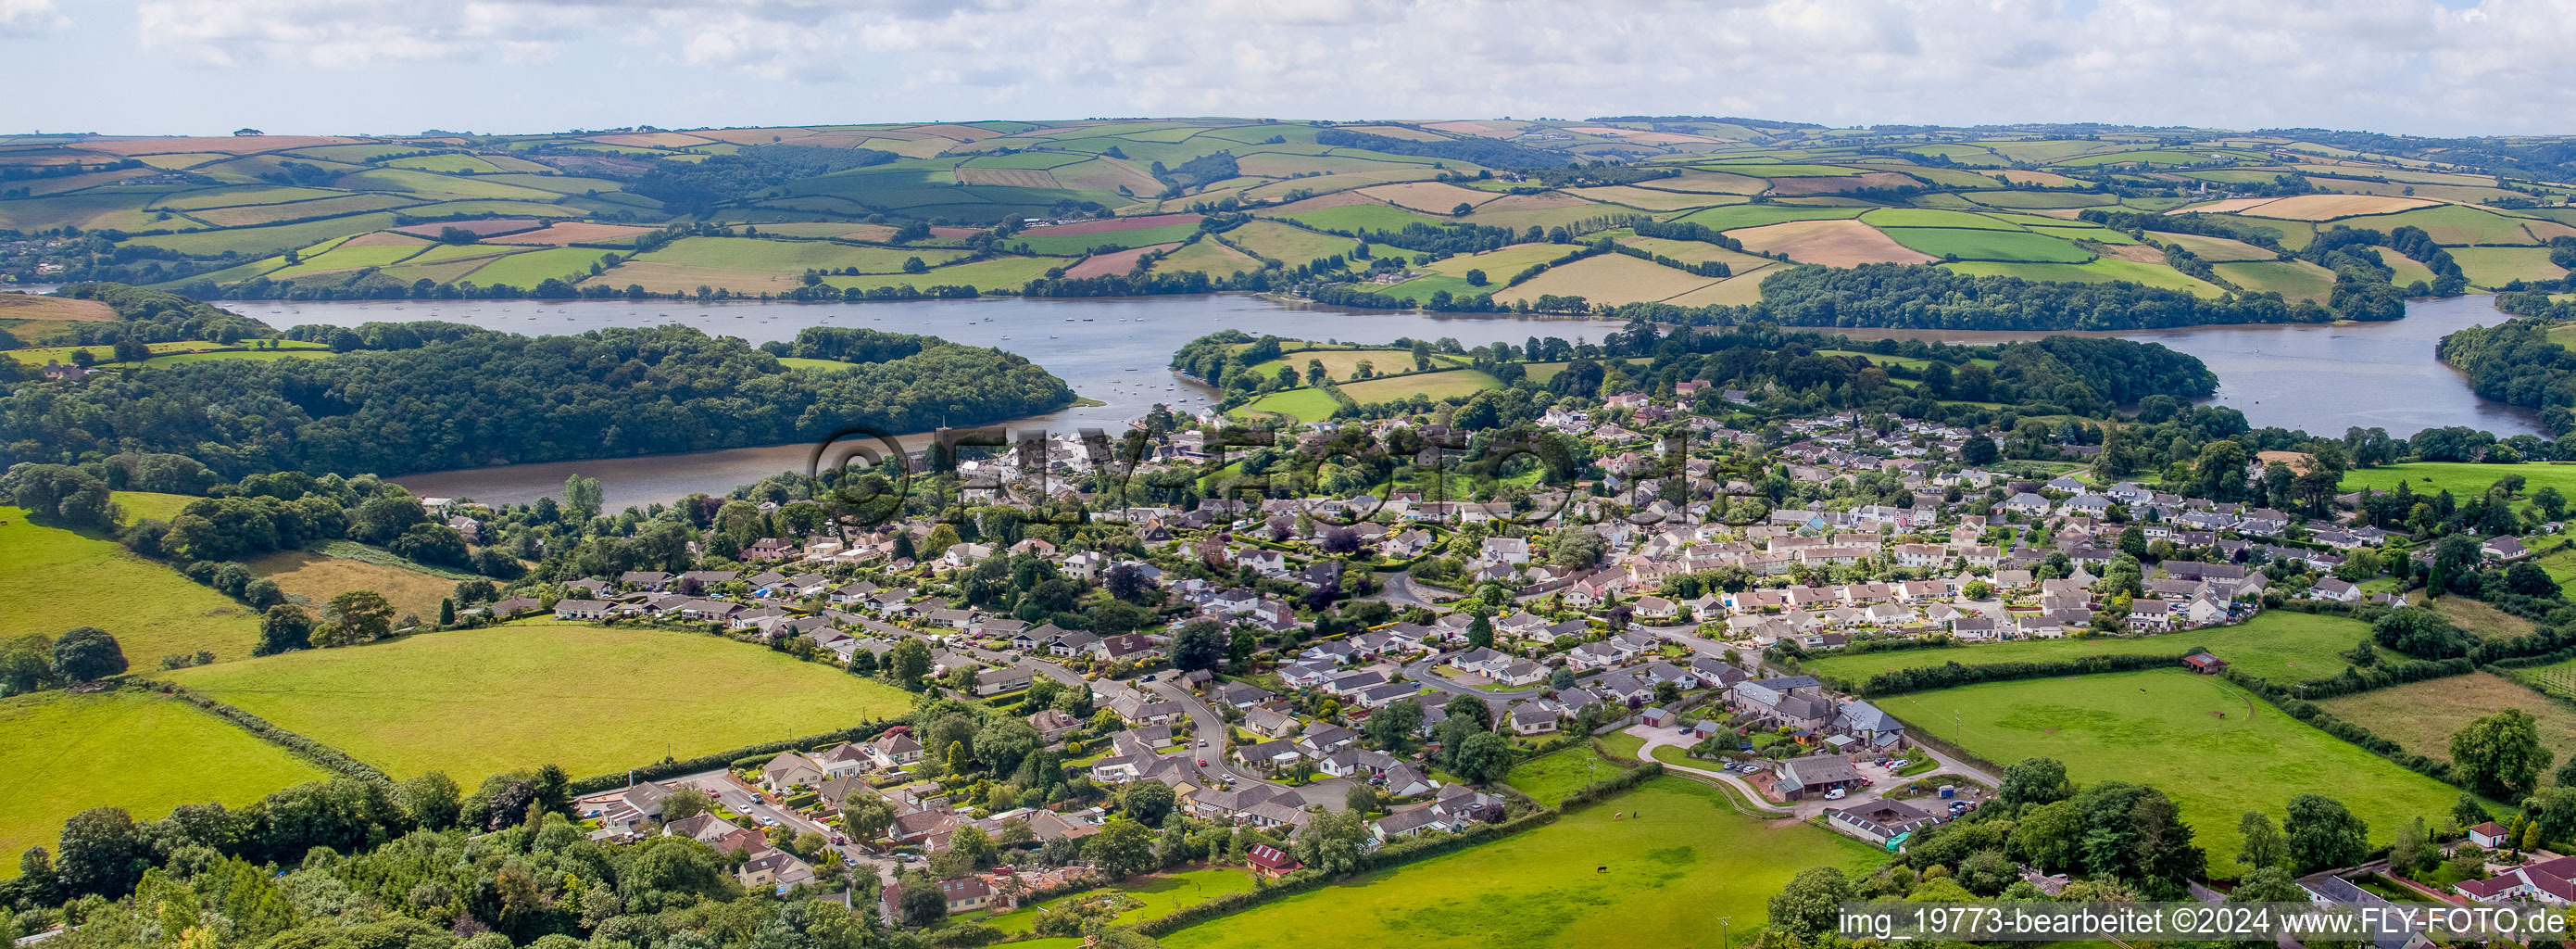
(1437, 214)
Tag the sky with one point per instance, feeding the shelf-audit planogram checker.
(2456, 67)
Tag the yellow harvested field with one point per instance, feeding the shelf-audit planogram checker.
(1486, 129)
(1345, 181)
(315, 579)
(1743, 289)
(1608, 278)
(1648, 199)
(1007, 177)
(28, 306)
(2137, 252)
(2327, 207)
(1833, 243)
(1118, 262)
(1208, 257)
(1428, 196)
(385, 239)
(2225, 206)
(652, 140)
(1106, 174)
(573, 232)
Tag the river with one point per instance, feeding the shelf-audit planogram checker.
(2322, 378)
(1113, 351)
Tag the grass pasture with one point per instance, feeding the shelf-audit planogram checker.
(141, 751)
(2422, 715)
(2451, 224)
(52, 579)
(1679, 856)
(1208, 257)
(2215, 749)
(589, 698)
(1359, 217)
(2462, 479)
(751, 264)
(1343, 364)
(2216, 249)
(2102, 270)
(1548, 778)
(1163, 894)
(1435, 385)
(2292, 279)
(2497, 266)
(2277, 645)
(1966, 243)
(1499, 265)
(1304, 405)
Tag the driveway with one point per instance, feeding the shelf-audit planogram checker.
(1420, 671)
(720, 786)
(1212, 728)
(1662, 737)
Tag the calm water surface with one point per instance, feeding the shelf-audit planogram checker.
(1114, 351)
(2321, 378)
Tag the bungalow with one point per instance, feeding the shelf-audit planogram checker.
(583, 609)
(788, 770)
(1814, 774)
(1271, 862)
(2504, 548)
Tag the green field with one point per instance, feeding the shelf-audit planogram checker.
(1678, 858)
(2455, 224)
(592, 699)
(526, 270)
(2462, 479)
(2214, 748)
(142, 504)
(2497, 266)
(1163, 894)
(1498, 265)
(1548, 778)
(1040, 242)
(1343, 364)
(53, 579)
(1921, 217)
(2278, 645)
(1981, 244)
(1359, 217)
(1304, 405)
(1435, 385)
(137, 750)
(2103, 270)
(2294, 280)
(1288, 244)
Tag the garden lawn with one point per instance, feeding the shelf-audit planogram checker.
(2214, 748)
(1163, 894)
(592, 699)
(2423, 715)
(2278, 645)
(1548, 778)
(53, 579)
(133, 749)
(1675, 859)
(2463, 479)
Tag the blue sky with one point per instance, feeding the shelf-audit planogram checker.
(2454, 67)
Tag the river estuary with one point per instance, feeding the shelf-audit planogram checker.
(2320, 378)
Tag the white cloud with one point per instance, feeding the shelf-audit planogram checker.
(21, 17)
(2403, 65)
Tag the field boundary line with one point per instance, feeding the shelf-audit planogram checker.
(327, 757)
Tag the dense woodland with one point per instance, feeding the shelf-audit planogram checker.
(484, 398)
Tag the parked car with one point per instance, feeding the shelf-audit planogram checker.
(1834, 795)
